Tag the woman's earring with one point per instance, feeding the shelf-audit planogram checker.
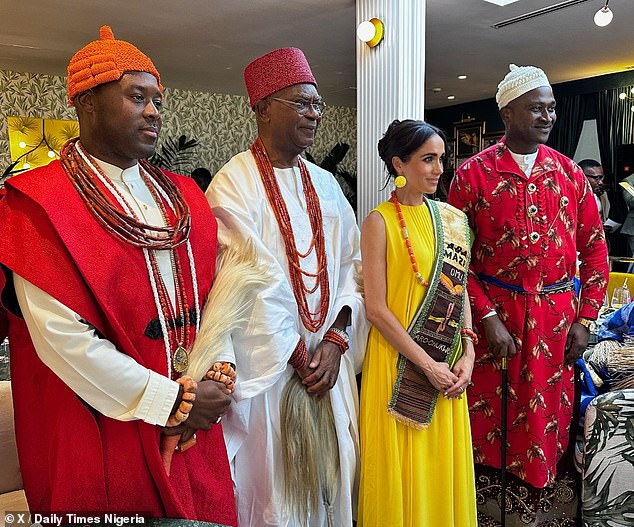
(400, 181)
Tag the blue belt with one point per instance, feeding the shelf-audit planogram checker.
(559, 287)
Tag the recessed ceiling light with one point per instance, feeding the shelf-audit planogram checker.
(501, 2)
(462, 77)
(436, 89)
(451, 97)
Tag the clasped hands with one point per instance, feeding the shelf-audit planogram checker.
(212, 401)
(322, 371)
(452, 382)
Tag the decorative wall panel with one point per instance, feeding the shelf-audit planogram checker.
(223, 124)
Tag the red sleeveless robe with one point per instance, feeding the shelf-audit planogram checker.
(73, 458)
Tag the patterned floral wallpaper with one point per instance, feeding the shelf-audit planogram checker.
(223, 124)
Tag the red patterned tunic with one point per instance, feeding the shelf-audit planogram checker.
(528, 231)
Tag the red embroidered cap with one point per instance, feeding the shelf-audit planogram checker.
(275, 71)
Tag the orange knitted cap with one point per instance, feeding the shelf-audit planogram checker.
(105, 60)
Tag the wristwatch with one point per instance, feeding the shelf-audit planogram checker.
(590, 325)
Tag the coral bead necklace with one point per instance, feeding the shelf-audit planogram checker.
(101, 197)
(312, 321)
(408, 244)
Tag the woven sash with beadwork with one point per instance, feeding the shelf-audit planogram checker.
(436, 325)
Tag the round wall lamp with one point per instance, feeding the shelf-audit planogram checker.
(370, 32)
(603, 16)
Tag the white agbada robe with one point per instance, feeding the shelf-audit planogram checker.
(252, 425)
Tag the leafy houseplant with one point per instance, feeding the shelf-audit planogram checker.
(347, 180)
(175, 154)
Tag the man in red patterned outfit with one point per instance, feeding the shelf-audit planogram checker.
(532, 210)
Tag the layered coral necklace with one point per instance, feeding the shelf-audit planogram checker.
(83, 172)
(408, 243)
(312, 321)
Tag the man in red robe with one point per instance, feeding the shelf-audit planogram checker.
(532, 211)
(107, 261)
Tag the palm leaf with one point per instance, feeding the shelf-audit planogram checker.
(334, 157)
(347, 180)
(618, 511)
(594, 499)
(604, 468)
(606, 423)
(175, 154)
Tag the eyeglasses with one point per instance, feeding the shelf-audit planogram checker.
(302, 107)
(598, 178)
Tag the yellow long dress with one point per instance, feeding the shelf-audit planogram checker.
(409, 477)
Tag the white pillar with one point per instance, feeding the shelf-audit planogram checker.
(390, 85)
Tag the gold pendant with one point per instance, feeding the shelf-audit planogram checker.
(180, 360)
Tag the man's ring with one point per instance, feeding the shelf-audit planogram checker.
(218, 420)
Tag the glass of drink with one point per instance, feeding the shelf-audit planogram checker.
(620, 297)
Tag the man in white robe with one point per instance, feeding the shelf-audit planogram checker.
(288, 109)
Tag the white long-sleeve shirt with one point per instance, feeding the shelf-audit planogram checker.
(110, 381)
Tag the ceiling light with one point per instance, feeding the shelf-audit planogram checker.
(603, 16)
(624, 96)
(501, 2)
(370, 32)
(451, 97)
(436, 90)
(462, 77)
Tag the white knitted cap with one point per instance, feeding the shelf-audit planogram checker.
(518, 81)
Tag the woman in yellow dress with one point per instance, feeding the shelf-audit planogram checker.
(416, 457)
